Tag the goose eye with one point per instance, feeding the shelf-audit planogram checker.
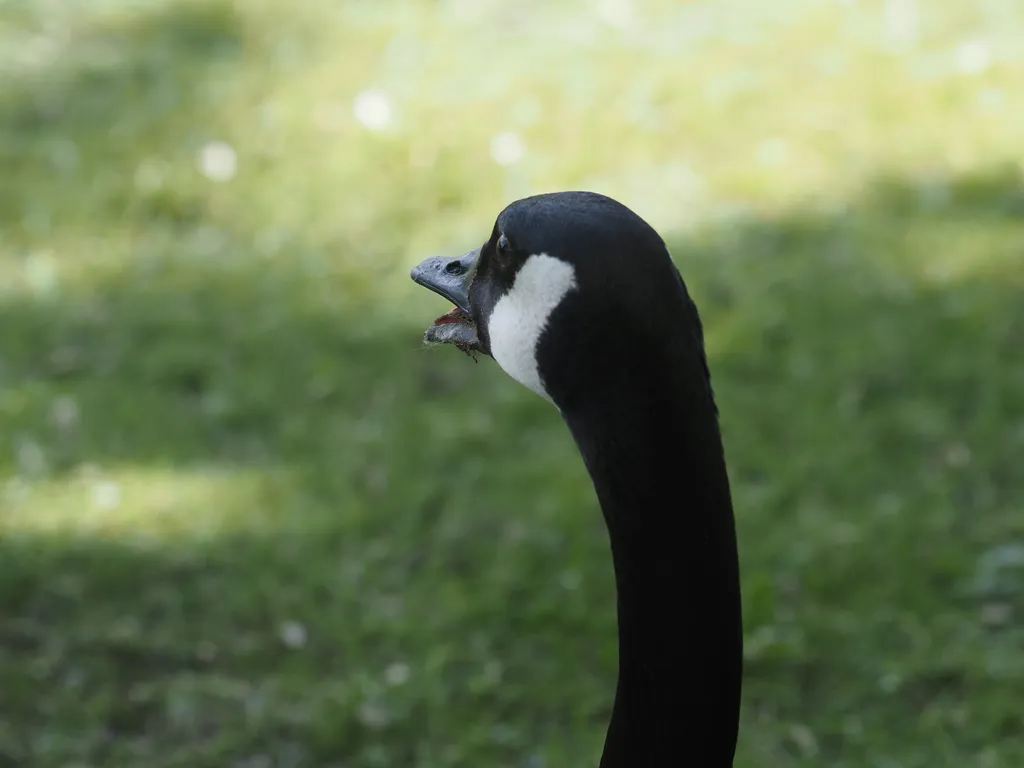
(504, 247)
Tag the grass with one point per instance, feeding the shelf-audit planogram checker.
(246, 520)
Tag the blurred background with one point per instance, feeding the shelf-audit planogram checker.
(247, 520)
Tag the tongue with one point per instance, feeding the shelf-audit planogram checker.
(453, 316)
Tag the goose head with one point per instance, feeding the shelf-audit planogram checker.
(566, 295)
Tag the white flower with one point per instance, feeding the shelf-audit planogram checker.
(397, 673)
(373, 109)
(106, 495)
(293, 634)
(615, 13)
(973, 58)
(507, 148)
(64, 412)
(218, 161)
(773, 152)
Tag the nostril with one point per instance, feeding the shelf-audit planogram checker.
(454, 268)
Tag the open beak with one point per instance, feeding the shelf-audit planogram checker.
(451, 278)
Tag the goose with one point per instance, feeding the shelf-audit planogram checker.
(577, 298)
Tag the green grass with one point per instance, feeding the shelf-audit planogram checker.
(246, 520)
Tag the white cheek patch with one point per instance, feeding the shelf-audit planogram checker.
(521, 315)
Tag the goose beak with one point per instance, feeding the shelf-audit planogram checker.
(451, 278)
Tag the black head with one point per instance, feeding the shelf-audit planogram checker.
(572, 292)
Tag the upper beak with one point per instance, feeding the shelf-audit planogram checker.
(449, 277)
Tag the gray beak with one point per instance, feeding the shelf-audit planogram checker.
(451, 278)
(448, 277)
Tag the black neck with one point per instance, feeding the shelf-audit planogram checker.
(657, 465)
